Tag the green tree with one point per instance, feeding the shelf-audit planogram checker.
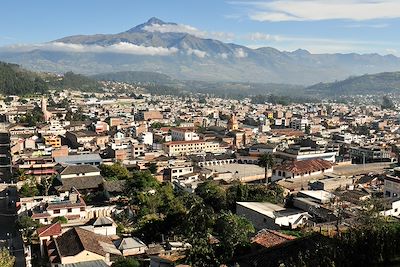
(152, 167)
(45, 184)
(29, 188)
(60, 219)
(142, 181)
(27, 226)
(116, 171)
(6, 260)
(77, 115)
(266, 161)
(387, 103)
(125, 262)
(232, 231)
(236, 192)
(212, 194)
(202, 253)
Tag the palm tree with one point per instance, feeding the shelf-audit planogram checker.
(266, 161)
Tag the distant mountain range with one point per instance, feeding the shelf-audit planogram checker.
(177, 51)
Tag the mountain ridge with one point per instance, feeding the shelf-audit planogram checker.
(158, 46)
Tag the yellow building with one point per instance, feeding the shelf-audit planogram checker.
(53, 141)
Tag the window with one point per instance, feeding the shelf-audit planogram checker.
(56, 211)
(69, 210)
(82, 208)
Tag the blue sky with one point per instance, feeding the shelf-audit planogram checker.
(320, 26)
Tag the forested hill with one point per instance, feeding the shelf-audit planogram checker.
(387, 82)
(17, 81)
(74, 81)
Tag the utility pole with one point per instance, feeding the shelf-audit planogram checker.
(364, 161)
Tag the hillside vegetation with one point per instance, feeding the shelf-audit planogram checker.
(17, 81)
(74, 81)
(387, 82)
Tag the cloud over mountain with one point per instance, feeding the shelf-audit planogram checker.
(171, 49)
(122, 47)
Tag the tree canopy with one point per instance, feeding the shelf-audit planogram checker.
(17, 81)
(125, 262)
(116, 171)
(6, 260)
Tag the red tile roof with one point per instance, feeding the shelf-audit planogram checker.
(49, 230)
(305, 166)
(287, 132)
(270, 238)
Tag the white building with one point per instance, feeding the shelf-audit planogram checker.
(306, 153)
(392, 184)
(147, 138)
(299, 124)
(102, 226)
(301, 169)
(179, 148)
(131, 246)
(183, 134)
(271, 216)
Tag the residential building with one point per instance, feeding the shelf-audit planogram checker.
(176, 148)
(81, 177)
(131, 246)
(271, 216)
(184, 134)
(78, 245)
(53, 141)
(301, 168)
(80, 159)
(392, 184)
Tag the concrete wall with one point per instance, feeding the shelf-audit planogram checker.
(258, 220)
(81, 257)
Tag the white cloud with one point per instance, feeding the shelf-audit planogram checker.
(326, 45)
(125, 48)
(224, 36)
(312, 10)
(174, 28)
(258, 36)
(240, 53)
(223, 55)
(196, 52)
(182, 28)
(392, 51)
(373, 26)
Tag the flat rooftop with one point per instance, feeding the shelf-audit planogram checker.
(269, 209)
(238, 170)
(320, 195)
